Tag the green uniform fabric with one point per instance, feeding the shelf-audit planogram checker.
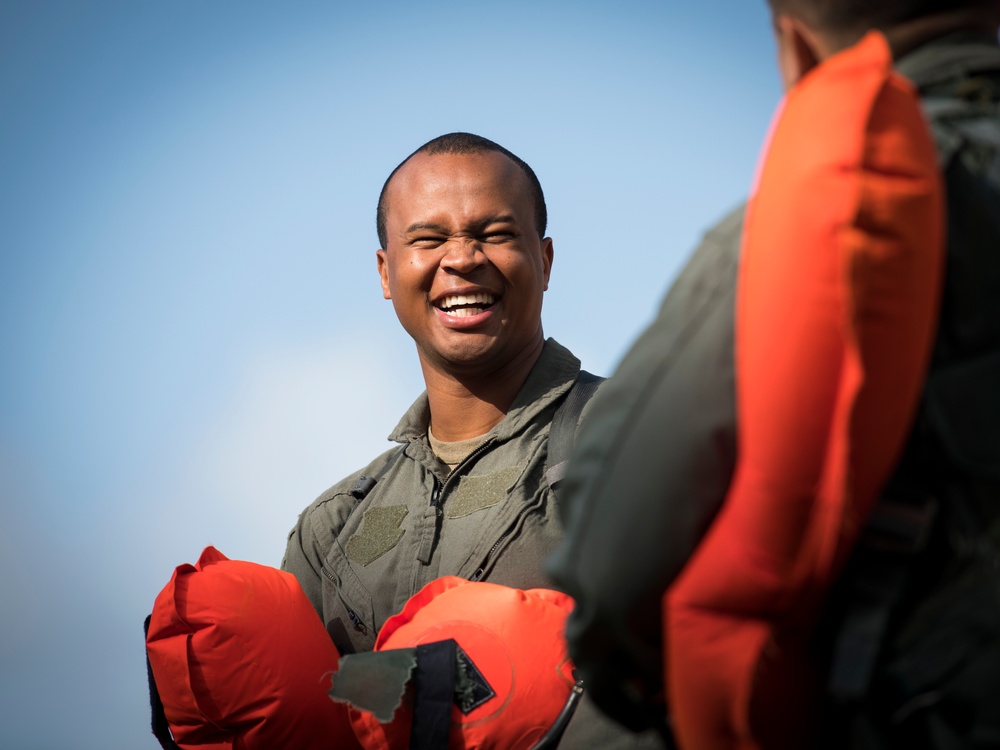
(650, 466)
(653, 460)
(493, 518)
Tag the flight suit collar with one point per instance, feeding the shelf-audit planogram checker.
(552, 376)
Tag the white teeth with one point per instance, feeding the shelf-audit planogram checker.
(455, 300)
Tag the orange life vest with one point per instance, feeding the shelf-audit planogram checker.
(241, 659)
(836, 305)
(515, 640)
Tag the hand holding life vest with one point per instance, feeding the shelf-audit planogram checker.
(836, 306)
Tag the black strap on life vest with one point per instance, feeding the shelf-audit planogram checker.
(434, 695)
(434, 682)
(894, 535)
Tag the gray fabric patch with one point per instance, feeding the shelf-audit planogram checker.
(378, 534)
(374, 681)
(477, 493)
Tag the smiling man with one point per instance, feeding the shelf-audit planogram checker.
(465, 262)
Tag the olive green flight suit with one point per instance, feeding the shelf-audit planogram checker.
(493, 519)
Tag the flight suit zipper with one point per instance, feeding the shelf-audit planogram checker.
(489, 555)
(428, 541)
(431, 525)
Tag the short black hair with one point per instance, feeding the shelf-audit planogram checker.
(857, 16)
(465, 143)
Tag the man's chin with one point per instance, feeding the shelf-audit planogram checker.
(471, 354)
(470, 357)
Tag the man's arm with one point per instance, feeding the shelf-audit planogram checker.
(302, 558)
(650, 468)
(315, 533)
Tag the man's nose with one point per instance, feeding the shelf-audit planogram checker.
(463, 254)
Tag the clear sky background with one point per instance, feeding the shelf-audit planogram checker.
(192, 335)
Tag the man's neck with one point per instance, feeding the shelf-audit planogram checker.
(467, 405)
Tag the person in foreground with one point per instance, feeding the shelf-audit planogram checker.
(465, 262)
(909, 644)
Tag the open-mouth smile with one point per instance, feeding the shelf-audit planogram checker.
(466, 305)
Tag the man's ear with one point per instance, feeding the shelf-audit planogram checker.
(383, 272)
(799, 49)
(547, 260)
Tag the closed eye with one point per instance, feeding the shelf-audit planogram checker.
(427, 241)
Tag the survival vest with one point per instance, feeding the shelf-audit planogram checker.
(836, 302)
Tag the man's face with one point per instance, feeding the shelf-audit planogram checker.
(464, 265)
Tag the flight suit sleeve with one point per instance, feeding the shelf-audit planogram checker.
(304, 556)
(651, 465)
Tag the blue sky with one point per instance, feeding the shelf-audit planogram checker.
(194, 340)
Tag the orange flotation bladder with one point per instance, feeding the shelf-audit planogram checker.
(836, 304)
(242, 660)
(515, 640)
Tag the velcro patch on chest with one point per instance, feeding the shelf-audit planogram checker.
(380, 531)
(481, 492)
